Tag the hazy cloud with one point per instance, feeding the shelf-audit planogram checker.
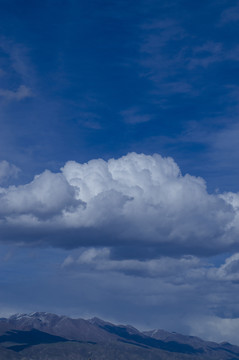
(230, 14)
(21, 93)
(156, 59)
(134, 116)
(216, 328)
(18, 59)
(206, 54)
(199, 295)
(90, 120)
(8, 171)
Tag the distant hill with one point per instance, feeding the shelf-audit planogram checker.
(45, 336)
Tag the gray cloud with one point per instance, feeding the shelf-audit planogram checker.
(229, 271)
(217, 328)
(199, 295)
(47, 195)
(171, 270)
(8, 171)
(99, 259)
(92, 282)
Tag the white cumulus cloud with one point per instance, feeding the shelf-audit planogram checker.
(48, 194)
(136, 199)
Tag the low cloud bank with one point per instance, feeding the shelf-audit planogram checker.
(134, 200)
(176, 271)
(215, 328)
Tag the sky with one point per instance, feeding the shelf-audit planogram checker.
(119, 151)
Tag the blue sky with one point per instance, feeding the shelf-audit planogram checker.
(141, 238)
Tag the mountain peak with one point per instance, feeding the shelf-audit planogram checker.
(97, 321)
(34, 315)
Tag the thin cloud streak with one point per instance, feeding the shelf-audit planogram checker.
(21, 93)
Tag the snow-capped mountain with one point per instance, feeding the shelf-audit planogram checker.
(36, 335)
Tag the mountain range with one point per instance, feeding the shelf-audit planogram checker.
(45, 336)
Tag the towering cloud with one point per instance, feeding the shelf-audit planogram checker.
(134, 200)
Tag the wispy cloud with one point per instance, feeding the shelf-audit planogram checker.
(18, 59)
(206, 54)
(175, 87)
(170, 54)
(160, 33)
(134, 116)
(18, 67)
(230, 15)
(21, 93)
(90, 120)
(155, 56)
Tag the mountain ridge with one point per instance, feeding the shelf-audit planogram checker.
(24, 333)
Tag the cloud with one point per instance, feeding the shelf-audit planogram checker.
(206, 54)
(100, 259)
(162, 50)
(229, 271)
(134, 116)
(136, 200)
(7, 171)
(160, 33)
(90, 120)
(230, 15)
(224, 146)
(18, 59)
(216, 328)
(169, 49)
(186, 270)
(21, 93)
(47, 195)
(179, 87)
